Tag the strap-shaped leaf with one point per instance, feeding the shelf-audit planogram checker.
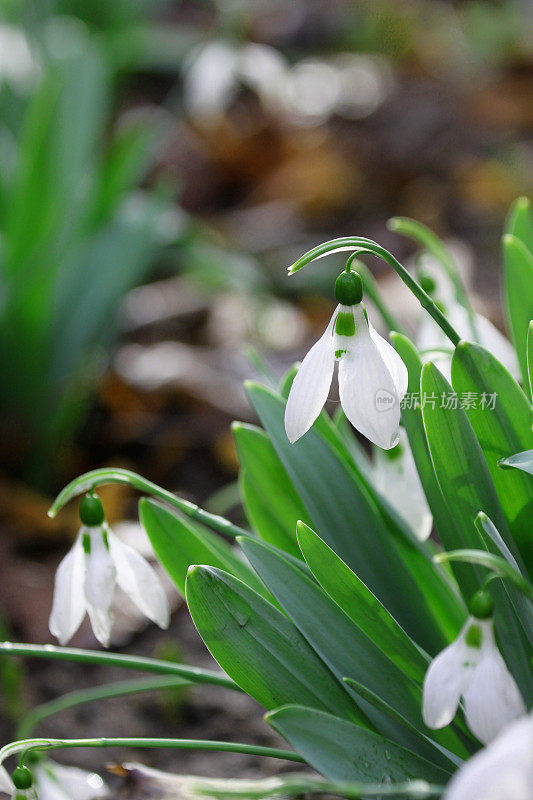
(501, 427)
(530, 357)
(257, 646)
(358, 602)
(445, 523)
(518, 282)
(270, 500)
(520, 222)
(340, 750)
(346, 517)
(344, 646)
(179, 542)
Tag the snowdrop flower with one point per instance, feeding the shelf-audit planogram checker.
(87, 577)
(216, 71)
(396, 477)
(503, 771)
(372, 376)
(472, 668)
(439, 286)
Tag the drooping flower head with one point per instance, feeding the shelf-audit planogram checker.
(88, 575)
(472, 668)
(372, 376)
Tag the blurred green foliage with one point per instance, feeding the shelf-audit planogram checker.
(76, 234)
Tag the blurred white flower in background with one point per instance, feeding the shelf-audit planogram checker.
(396, 477)
(306, 93)
(57, 782)
(483, 332)
(18, 63)
(215, 72)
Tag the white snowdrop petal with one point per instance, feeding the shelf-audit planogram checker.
(492, 699)
(136, 577)
(101, 623)
(394, 363)
(367, 391)
(311, 386)
(100, 575)
(70, 782)
(444, 682)
(502, 771)
(48, 787)
(68, 608)
(6, 784)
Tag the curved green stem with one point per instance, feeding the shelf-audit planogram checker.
(297, 786)
(372, 291)
(100, 477)
(498, 565)
(81, 696)
(424, 236)
(53, 653)
(24, 746)
(363, 245)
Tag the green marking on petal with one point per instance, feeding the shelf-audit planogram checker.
(474, 637)
(339, 353)
(345, 324)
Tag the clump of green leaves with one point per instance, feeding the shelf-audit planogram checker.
(328, 609)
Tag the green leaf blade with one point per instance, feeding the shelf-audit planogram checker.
(259, 647)
(340, 750)
(518, 283)
(504, 428)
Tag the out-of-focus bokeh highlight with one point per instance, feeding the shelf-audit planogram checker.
(162, 162)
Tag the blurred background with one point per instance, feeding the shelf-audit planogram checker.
(162, 162)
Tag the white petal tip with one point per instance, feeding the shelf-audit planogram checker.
(293, 438)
